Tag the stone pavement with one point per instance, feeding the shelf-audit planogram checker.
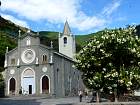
(28, 100)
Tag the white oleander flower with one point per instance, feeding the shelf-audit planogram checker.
(104, 69)
(110, 87)
(139, 63)
(136, 37)
(110, 64)
(110, 92)
(128, 88)
(133, 50)
(121, 81)
(103, 37)
(97, 42)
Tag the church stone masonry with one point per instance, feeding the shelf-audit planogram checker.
(33, 68)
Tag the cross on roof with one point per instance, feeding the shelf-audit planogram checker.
(19, 33)
(51, 44)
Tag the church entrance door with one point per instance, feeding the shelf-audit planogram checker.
(12, 86)
(30, 89)
(45, 84)
(28, 81)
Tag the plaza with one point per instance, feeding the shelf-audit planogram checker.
(27, 100)
(42, 100)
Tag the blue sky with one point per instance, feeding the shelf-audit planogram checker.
(83, 16)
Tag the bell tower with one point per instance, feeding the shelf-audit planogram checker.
(67, 42)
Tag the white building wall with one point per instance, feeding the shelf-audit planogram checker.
(67, 49)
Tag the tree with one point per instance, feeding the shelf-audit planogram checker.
(5, 41)
(1, 85)
(110, 61)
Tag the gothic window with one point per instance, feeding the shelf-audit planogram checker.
(44, 59)
(65, 40)
(12, 61)
(28, 42)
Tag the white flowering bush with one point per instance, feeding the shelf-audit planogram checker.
(111, 61)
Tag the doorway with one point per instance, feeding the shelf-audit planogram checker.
(45, 85)
(30, 89)
(12, 86)
(28, 81)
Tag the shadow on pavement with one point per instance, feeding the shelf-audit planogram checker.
(64, 104)
(18, 102)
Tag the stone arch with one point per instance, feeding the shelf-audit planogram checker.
(12, 86)
(28, 81)
(28, 72)
(45, 84)
(65, 40)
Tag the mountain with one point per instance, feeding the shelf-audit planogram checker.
(5, 41)
(11, 29)
(9, 34)
(80, 39)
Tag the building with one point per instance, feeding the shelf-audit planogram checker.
(33, 68)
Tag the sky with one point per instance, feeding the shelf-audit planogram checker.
(83, 16)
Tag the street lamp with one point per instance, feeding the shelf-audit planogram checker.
(115, 91)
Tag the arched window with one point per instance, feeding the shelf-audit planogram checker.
(28, 42)
(13, 61)
(65, 40)
(44, 59)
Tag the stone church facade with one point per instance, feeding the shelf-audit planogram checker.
(33, 68)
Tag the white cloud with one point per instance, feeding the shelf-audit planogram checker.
(52, 10)
(89, 23)
(15, 20)
(57, 11)
(113, 6)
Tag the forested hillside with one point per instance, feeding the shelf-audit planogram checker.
(9, 34)
(11, 29)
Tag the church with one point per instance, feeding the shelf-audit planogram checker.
(35, 69)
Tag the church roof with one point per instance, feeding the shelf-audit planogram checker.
(28, 33)
(44, 46)
(66, 30)
(12, 50)
(58, 53)
(64, 56)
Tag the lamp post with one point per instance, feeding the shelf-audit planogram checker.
(115, 92)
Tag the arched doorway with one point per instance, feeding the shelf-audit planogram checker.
(45, 84)
(12, 86)
(28, 81)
